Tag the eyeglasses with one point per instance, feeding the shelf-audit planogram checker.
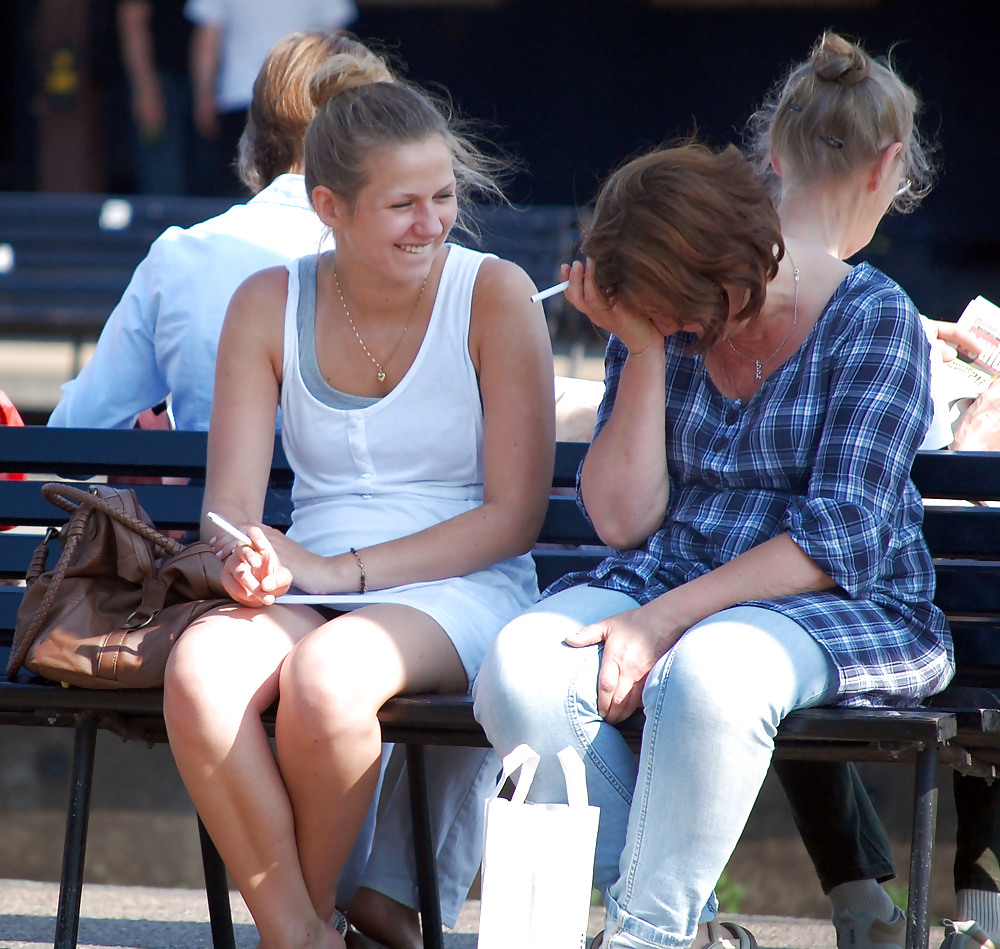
(904, 186)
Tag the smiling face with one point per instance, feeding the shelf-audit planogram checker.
(403, 213)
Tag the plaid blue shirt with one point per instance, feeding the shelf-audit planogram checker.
(822, 452)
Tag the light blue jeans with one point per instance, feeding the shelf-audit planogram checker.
(669, 821)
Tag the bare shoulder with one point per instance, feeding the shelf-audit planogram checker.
(262, 290)
(254, 323)
(503, 287)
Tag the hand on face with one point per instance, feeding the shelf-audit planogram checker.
(637, 332)
(632, 645)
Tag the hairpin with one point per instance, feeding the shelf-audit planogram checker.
(793, 106)
(831, 141)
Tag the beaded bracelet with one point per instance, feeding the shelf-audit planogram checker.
(361, 567)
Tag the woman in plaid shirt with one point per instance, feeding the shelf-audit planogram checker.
(751, 471)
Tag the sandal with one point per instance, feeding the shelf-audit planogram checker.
(730, 936)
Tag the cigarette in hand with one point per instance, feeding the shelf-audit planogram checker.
(551, 292)
(228, 528)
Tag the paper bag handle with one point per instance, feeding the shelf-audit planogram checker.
(576, 777)
(525, 758)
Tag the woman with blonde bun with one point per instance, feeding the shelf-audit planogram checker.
(838, 140)
(414, 380)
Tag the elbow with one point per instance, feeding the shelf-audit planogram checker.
(627, 527)
(625, 530)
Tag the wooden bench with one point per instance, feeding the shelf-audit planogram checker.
(963, 539)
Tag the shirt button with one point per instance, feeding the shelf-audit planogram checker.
(367, 497)
(711, 478)
(366, 475)
(732, 417)
(720, 443)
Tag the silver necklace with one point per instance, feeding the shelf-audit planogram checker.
(380, 373)
(758, 364)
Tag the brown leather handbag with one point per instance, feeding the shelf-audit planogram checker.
(107, 615)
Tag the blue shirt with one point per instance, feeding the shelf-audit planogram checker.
(162, 337)
(822, 452)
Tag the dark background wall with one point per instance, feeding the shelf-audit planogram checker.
(574, 86)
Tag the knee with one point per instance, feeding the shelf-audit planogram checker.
(525, 685)
(328, 694)
(197, 678)
(717, 679)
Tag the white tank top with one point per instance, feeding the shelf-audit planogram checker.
(407, 461)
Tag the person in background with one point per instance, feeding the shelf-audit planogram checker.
(834, 130)
(414, 379)
(231, 39)
(750, 470)
(155, 40)
(160, 340)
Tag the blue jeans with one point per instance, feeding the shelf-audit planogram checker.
(669, 821)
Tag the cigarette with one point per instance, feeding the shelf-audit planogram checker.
(228, 528)
(551, 292)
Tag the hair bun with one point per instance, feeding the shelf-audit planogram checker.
(835, 59)
(345, 71)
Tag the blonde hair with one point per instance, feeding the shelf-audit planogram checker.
(352, 122)
(837, 112)
(282, 106)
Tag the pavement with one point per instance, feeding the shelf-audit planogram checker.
(140, 917)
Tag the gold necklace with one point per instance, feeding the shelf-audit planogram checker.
(758, 364)
(380, 374)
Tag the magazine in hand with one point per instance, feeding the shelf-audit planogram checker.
(970, 377)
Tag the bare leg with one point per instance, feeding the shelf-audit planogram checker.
(328, 736)
(222, 674)
(385, 920)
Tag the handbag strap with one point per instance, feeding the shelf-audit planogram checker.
(23, 642)
(69, 498)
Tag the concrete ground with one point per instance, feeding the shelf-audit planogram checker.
(136, 917)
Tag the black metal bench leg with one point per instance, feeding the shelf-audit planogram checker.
(75, 842)
(220, 913)
(922, 848)
(423, 848)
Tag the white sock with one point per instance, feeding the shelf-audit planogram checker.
(862, 896)
(982, 906)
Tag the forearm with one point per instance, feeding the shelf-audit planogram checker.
(776, 568)
(137, 43)
(624, 481)
(205, 40)
(472, 541)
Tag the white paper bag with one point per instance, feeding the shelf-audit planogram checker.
(538, 861)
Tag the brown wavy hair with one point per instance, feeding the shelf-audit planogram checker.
(675, 230)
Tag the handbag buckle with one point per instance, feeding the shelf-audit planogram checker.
(134, 615)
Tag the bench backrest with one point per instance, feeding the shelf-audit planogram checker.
(964, 538)
(65, 259)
